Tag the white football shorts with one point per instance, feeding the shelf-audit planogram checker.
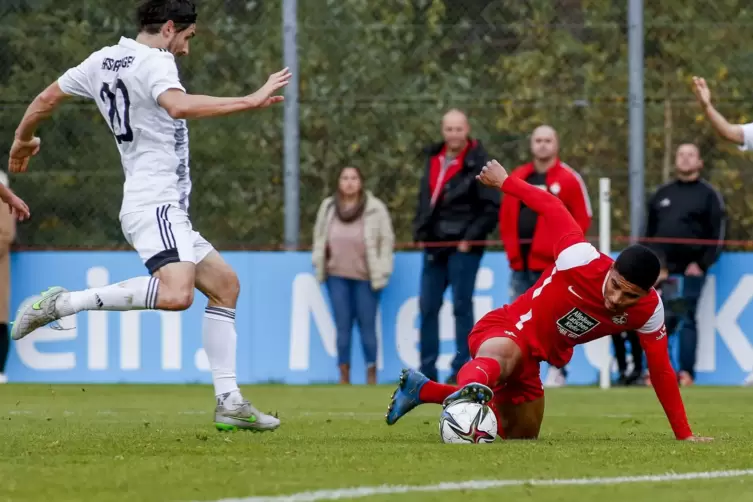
(164, 235)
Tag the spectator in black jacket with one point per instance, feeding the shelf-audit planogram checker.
(687, 208)
(454, 208)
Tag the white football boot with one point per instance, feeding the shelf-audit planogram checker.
(35, 312)
(235, 413)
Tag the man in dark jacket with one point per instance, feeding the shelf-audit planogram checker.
(453, 208)
(687, 208)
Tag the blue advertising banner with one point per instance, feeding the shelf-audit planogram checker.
(286, 331)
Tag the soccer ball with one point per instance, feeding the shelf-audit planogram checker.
(467, 422)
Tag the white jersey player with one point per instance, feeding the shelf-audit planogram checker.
(138, 91)
(739, 134)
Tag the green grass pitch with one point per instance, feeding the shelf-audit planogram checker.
(157, 443)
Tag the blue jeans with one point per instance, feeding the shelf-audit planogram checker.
(521, 281)
(691, 292)
(439, 271)
(352, 301)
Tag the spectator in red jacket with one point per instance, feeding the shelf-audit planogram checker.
(528, 247)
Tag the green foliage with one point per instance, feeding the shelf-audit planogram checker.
(375, 78)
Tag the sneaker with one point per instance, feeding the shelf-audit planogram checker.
(473, 392)
(233, 415)
(3, 378)
(634, 378)
(35, 312)
(405, 397)
(555, 378)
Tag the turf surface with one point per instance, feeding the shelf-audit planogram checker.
(149, 443)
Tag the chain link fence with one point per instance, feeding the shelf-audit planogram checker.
(375, 79)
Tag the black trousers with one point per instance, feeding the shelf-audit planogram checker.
(4, 346)
(620, 351)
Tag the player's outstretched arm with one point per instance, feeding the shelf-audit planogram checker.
(560, 224)
(653, 339)
(541, 201)
(731, 132)
(181, 105)
(25, 144)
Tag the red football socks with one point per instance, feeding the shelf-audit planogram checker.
(435, 392)
(483, 370)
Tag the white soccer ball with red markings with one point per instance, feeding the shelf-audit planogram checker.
(467, 422)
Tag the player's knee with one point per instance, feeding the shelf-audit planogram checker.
(504, 351)
(184, 299)
(228, 288)
(492, 351)
(180, 298)
(232, 287)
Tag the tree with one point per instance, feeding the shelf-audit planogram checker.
(375, 79)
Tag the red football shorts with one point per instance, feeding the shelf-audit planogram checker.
(524, 384)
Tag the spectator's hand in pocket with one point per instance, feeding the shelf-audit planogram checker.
(663, 275)
(693, 270)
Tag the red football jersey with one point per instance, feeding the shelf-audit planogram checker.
(566, 306)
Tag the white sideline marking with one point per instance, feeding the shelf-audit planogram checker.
(368, 491)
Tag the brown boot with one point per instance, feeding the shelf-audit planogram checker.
(345, 374)
(371, 375)
(685, 380)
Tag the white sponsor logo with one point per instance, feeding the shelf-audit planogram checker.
(662, 333)
(576, 323)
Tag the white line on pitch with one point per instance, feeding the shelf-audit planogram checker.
(368, 491)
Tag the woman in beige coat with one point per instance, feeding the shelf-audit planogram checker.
(353, 253)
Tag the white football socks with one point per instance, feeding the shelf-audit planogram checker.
(220, 341)
(139, 293)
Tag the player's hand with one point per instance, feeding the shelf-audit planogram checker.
(265, 96)
(492, 174)
(699, 439)
(16, 205)
(21, 152)
(701, 91)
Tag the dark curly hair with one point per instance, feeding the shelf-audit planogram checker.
(153, 14)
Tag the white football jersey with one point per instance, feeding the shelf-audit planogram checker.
(125, 81)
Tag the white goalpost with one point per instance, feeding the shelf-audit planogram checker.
(602, 349)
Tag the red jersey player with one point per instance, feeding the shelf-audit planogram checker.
(585, 295)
